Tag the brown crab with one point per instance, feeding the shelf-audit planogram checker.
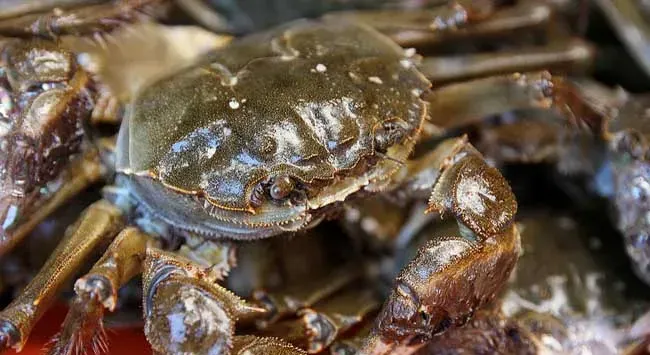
(231, 162)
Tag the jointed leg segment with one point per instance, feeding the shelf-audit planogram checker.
(99, 223)
(97, 291)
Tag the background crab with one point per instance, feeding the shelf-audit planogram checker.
(404, 321)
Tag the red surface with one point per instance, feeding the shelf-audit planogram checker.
(120, 341)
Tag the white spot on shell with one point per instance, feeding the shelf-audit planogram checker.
(409, 52)
(321, 68)
(375, 79)
(233, 104)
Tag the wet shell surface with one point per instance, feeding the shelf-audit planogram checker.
(323, 107)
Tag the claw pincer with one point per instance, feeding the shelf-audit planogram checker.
(451, 277)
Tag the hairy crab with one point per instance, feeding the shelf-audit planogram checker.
(271, 135)
(285, 162)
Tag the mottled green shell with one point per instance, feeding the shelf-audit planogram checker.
(304, 100)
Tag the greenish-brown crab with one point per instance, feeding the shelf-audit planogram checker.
(271, 135)
(267, 136)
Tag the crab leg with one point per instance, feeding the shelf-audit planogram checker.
(451, 16)
(569, 56)
(179, 296)
(489, 96)
(451, 277)
(525, 140)
(13, 8)
(81, 175)
(91, 19)
(107, 108)
(580, 105)
(318, 326)
(417, 28)
(97, 290)
(99, 223)
(304, 294)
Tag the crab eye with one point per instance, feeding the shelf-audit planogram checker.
(281, 187)
(390, 133)
(424, 316)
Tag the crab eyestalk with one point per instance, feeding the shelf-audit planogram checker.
(451, 277)
(391, 132)
(281, 187)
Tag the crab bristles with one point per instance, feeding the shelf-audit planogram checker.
(82, 331)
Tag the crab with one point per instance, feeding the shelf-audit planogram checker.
(50, 25)
(232, 164)
(296, 168)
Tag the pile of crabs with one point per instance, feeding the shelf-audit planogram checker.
(337, 177)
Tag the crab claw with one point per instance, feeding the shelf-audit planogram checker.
(184, 312)
(451, 277)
